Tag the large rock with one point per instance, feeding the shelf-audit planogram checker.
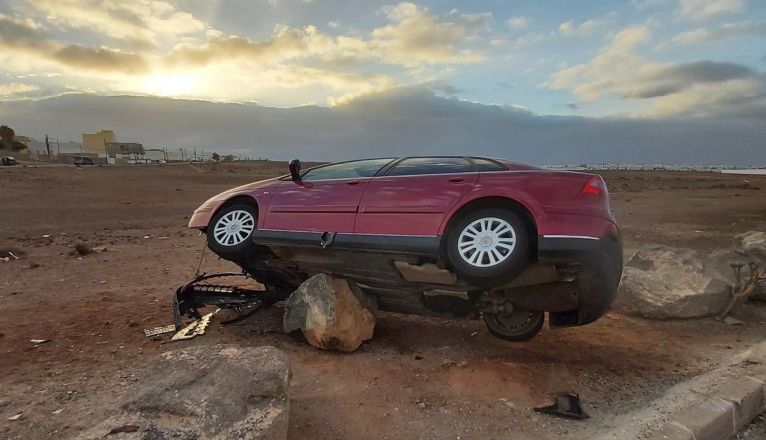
(663, 282)
(219, 392)
(752, 243)
(330, 313)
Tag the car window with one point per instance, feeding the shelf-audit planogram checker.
(429, 165)
(480, 164)
(347, 170)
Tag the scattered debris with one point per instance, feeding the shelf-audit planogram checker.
(39, 341)
(507, 403)
(196, 328)
(14, 418)
(565, 405)
(732, 321)
(123, 428)
(58, 411)
(741, 291)
(82, 249)
(149, 332)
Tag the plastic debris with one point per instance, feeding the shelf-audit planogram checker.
(196, 328)
(39, 341)
(149, 332)
(565, 405)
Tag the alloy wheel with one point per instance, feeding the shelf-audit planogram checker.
(233, 228)
(487, 242)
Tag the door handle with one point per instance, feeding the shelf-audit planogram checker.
(352, 183)
(456, 179)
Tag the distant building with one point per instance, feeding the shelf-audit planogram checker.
(156, 154)
(96, 142)
(124, 148)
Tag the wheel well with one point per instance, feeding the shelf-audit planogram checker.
(496, 202)
(237, 200)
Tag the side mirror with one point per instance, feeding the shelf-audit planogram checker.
(295, 170)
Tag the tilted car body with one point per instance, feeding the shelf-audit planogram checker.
(445, 236)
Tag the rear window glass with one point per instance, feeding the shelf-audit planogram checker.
(486, 165)
(429, 165)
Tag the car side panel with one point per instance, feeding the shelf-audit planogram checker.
(551, 197)
(410, 205)
(322, 205)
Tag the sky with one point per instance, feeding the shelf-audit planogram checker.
(634, 60)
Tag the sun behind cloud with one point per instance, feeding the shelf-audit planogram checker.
(171, 85)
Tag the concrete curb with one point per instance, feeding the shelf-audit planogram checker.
(713, 405)
(719, 414)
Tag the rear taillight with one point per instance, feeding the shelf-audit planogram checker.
(595, 186)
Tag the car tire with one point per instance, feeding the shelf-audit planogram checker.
(488, 247)
(518, 326)
(230, 231)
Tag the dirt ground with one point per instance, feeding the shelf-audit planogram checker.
(418, 378)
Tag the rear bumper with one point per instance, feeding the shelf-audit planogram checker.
(600, 266)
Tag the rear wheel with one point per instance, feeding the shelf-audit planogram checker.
(231, 229)
(488, 247)
(517, 325)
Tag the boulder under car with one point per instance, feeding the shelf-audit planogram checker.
(442, 236)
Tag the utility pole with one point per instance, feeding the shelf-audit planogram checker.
(58, 147)
(48, 147)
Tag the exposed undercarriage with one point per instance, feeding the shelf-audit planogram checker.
(421, 285)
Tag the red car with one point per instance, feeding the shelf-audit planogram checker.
(502, 239)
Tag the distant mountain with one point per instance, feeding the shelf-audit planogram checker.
(397, 122)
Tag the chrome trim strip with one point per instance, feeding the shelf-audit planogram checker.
(583, 237)
(349, 233)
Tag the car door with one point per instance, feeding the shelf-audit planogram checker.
(414, 196)
(326, 198)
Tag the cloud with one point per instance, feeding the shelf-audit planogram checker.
(27, 40)
(517, 23)
(700, 88)
(416, 36)
(702, 10)
(586, 28)
(138, 22)
(707, 35)
(423, 123)
(16, 90)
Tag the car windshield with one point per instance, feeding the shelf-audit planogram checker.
(347, 170)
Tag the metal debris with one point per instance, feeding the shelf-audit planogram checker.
(196, 328)
(565, 405)
(123, 429)
(149, 332)
(39, 341)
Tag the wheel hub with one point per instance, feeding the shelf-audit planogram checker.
(234, 227)
(487, 242)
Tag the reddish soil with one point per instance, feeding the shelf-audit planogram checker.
(418, 378)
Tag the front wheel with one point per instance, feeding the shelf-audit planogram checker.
(517, 325)
(230, 231)
(488, 247)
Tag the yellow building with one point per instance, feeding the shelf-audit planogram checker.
(96, 142)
